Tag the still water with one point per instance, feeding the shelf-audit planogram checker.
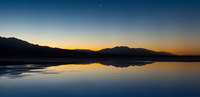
(111, 79)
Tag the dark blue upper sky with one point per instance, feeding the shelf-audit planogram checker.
(96, 24)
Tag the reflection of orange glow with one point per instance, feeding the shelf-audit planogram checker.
(75, 66)
(168, 66)
(93, 67)
(168, 69)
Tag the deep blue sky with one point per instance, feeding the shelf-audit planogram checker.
(170, 25)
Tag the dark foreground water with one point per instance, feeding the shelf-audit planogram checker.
(110, 79)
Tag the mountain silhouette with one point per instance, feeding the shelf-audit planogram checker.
(13, 47)
(124, 50)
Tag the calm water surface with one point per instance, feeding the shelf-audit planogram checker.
(145, 79)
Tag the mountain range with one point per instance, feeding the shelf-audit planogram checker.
(14, 47)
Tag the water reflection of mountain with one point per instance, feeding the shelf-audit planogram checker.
(125, 63)
(16, 69)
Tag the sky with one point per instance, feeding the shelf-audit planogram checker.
(160, 25)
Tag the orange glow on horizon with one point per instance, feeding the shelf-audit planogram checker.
(173, 51)
(179, 50)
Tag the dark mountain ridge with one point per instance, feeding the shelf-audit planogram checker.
(13, 47)
(124, 50)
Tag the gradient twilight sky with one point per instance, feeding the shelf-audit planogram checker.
(161, 25)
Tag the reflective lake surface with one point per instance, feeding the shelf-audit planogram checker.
(106, 79)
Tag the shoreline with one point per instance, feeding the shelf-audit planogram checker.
(93, 60)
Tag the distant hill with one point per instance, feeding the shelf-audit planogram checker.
(13, 47)
(124, 50)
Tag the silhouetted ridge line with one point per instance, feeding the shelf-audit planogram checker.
(124, 50)
(13, 47)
